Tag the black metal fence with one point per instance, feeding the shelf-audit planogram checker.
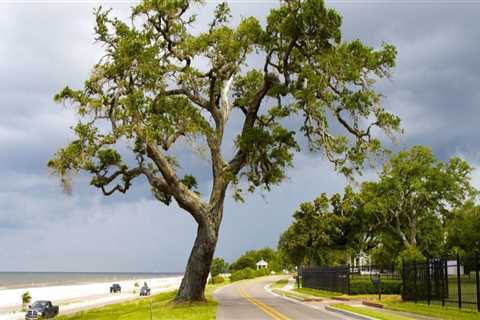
(447, 281)
(350, 279)
(327, 278)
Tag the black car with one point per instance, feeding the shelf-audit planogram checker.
(144, 291)
(115, 288)
(41, 309)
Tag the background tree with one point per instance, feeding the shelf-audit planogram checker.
(463, 227)
(326, 231)
(250, 258)
(413, 196)
(26, 298)
(159, 84)
(218, 266)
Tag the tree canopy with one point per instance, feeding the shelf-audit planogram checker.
(250, 258)
(162, 82)
(463, 227)
(413, 196)
(405, 211)
(324, 228)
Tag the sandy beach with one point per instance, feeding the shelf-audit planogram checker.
(74, 298)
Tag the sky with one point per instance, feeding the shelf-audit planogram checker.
(45, 45)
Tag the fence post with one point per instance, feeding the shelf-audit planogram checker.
(415, 279)
(446, 293)
(429, 289)
(348, 279)
(477, 264)
(298, 278)
(459, 283)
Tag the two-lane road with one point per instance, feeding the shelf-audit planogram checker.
(250, 300)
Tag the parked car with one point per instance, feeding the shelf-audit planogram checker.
(41, 309)
(115, 288)
(144, 291)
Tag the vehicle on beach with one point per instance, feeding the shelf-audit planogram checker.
(41, 309)
(114, 288)
(144, 291)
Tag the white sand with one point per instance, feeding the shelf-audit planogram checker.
(73, 298)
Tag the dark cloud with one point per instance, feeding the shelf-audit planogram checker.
(45, 46)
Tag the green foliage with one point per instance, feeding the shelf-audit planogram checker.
(308, 71)
(462, 230)
(26, 298)
(413, 198)
(366, 286)
(248, 273)
(217, 279)
(324, 228)
(404, 212)
(251, 257)
(218, 266)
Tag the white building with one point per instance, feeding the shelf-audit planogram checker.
(262, 264)
(452, 268)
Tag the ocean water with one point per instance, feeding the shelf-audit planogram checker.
(13, 280)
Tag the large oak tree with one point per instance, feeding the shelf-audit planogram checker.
(413, 197)
(161, 82)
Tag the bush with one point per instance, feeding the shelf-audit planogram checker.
(248, 273)
(366, 286)
(26, 299)
(217, 279)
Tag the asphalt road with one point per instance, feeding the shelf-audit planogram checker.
(250, 300)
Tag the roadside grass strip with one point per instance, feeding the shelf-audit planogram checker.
(374, 314)
(279, 284)
(274, 314)
(434, 311)
(338, 295)
(156, 307)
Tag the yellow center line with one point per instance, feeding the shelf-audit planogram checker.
(274, 314)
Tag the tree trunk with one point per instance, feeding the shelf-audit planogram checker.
(198, 266)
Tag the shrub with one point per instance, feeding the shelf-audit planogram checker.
(26, 299)
(217, 279)
(366, 286)
(248, 273)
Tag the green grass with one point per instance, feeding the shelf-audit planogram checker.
(279, 284)
(438, 312)
(331, 294)
(371, 313)
(162, 309)
(468, 286)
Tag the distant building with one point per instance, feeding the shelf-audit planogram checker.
(262, 264)
(452, 268)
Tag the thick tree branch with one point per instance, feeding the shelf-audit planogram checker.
(102, 180)
(185, 198)
(198, 100)
(239, 160)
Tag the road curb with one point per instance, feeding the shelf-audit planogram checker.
(373, 304)
(348, 313)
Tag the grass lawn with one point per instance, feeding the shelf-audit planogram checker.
(371, 313)
(279, 284)
(162, 309)
(330, 294)
(433, 310)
